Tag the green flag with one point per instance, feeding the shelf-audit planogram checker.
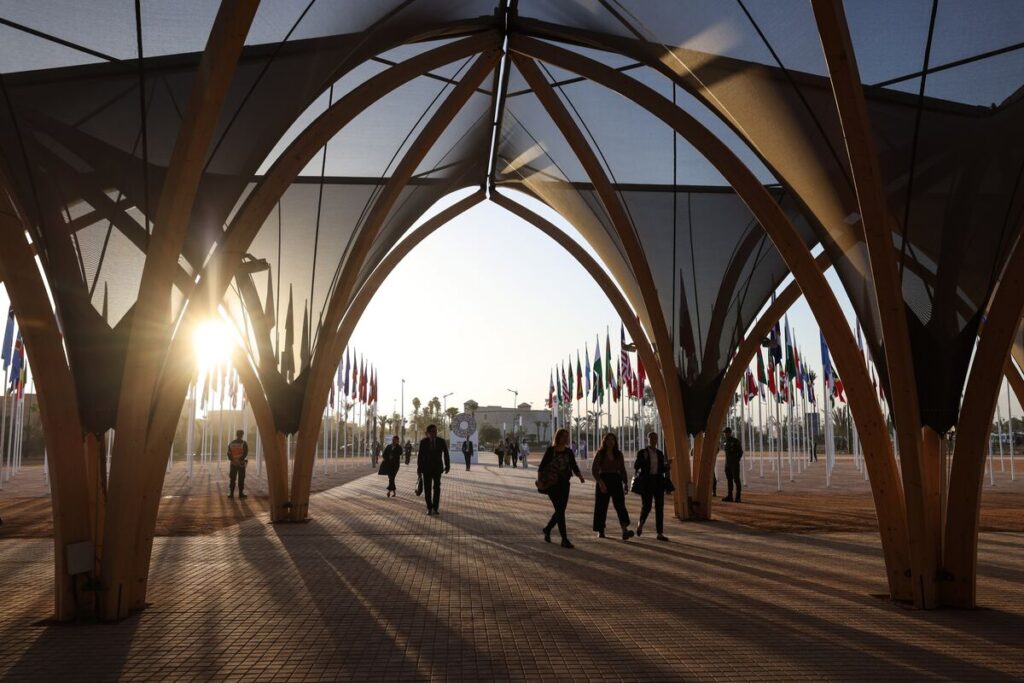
(598, 383)
(762, 378)
(790, 360)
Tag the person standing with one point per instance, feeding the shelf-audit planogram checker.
(467, 452)
(238, 457)
(609, 472)
(553, 476)
(408, 451)
(524, 453)
(513, 451)
(733, 453)
(499, 451)
(431, 462)
(390, 462)
(652, 468)
(375, 451)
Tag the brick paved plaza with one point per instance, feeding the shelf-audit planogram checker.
(372, 588)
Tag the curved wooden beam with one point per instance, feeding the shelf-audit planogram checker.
(960, 556)
(227, 258)
(58, 405)
(877, 223)
(134, 489)
(733, 376)
(871, 426)
(626, 232)
(645, 350)
(1016, 380)
(320, 375)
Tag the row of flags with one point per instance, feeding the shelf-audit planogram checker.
(786, 376)
(592, 382)
(14, 359)
(355, 380)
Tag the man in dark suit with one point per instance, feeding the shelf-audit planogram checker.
(431, 462)
(467, 452)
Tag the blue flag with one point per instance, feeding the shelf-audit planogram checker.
(826, 365)
(5, 351)
(16, 361)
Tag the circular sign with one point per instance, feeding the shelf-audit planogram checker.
(463, 425)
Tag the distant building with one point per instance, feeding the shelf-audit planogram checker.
(535, 423)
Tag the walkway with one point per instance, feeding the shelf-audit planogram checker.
(375, 589)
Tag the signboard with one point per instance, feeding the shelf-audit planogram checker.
(463, 429)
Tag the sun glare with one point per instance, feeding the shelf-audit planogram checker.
(212, 342)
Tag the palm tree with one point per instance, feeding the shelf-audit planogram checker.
(451, 413)
(470, 406)
(435, 406)
(416, 403)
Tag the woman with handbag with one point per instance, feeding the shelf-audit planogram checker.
(651, 479)
(553, 475)
(609, 472)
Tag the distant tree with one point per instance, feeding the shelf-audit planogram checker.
(470, 406)
(416, 404)
(435, 406)
(489, 434)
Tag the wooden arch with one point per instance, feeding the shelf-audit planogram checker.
(882, 468)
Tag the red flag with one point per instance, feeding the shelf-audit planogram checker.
(641, 376)
(771, 376)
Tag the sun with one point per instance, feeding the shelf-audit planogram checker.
(212, 343)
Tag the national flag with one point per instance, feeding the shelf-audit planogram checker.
(616, 386)
(558, 387)
(810, 393)
(772, 389)
(775, 344)
(761, 378)
(586, 369)
(373, 386)
(798, 374)
(5, 351)
(579, 377)
(551, 389)
(790, 359)
(826, 365)
(837, 391)
(598, 380)
(355, 379)
(626, 368)
(330, 401)
(288, 352)
(751, 392)
(343, 383)
(566, 386)
(608, 359)
(362, 380)
(16, 362)
(23, 379)
(570, 386)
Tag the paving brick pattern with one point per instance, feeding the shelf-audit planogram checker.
(373, 589)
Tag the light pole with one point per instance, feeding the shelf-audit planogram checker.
(402, 438)
(515, 407)
(445, 413)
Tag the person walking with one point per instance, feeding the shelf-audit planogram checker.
(524, 453)
(733, 453)
(391, 460)
(609, 472)
(467, 452)
(431, 462)
(652, 469)
(499, 451)
(513, 451)
(375, 451)
(238, 457)
(554, 473)
(408, 451)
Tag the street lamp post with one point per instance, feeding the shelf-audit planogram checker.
(515, 407)
(445, 413)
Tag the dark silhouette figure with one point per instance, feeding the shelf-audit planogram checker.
(513, 452)
(609, 470)
(733, 453)
(553, 475)
(408, 452)
(238, 456)
(467, 452)
(391, 460)
(431, 462)
(652, 469)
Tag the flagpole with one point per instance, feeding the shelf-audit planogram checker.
(1009, 419)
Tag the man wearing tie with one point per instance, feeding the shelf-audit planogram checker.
(431, 462)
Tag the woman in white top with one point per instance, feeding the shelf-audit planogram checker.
(524, 453)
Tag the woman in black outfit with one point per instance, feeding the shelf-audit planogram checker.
(609, 471)
(557, 466)
(389, 464)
